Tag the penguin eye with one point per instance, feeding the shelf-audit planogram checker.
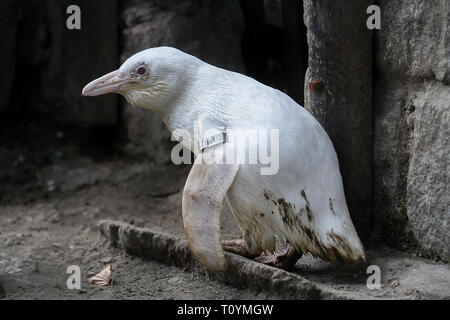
(141, 70)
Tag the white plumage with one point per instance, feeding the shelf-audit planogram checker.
(303, 203)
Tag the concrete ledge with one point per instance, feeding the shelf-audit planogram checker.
(241, 272)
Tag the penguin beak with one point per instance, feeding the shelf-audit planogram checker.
(108, 83)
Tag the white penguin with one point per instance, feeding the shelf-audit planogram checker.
(303, 203)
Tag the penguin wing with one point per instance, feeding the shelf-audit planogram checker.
(203, 195)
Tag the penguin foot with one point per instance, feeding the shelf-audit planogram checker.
(237, 246)
(285, 259)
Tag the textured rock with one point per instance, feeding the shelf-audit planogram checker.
(411, 111)
(414, 38)
(428, 188)
(181, 24)
(391, 161)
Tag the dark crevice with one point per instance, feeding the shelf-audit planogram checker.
(276, 55)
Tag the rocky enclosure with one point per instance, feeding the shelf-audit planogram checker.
(411, 134)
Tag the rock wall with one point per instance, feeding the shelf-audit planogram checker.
(45, 65)
(210, 30)
(411, 135)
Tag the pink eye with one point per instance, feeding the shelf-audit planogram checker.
(141, 71)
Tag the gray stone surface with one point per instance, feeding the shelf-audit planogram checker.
(411, 114)
(391, 163)
(414, 38)
(428, 188)
(210, 30)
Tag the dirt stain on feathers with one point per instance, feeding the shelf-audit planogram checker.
(308, 206)
(331, 206)
(337, 250)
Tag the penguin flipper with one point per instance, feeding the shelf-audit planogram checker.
(203, 195)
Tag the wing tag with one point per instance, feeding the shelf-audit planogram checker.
(212, 140)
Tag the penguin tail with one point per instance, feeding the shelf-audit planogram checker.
(347, 253)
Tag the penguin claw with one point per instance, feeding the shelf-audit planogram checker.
(285, 259)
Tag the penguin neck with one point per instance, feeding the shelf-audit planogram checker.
(198, 110)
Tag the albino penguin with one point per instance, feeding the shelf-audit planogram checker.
(300, 200)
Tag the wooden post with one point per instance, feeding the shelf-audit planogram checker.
(338, 92)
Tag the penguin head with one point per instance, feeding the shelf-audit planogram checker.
(150, 79)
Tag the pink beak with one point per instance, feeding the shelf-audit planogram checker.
(108, 83)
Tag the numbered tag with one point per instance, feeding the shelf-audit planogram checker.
(212, 141)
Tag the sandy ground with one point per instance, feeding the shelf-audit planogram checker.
(51, 202)
(40, 239)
